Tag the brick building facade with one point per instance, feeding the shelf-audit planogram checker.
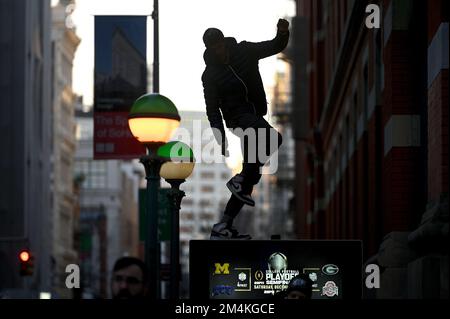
(371, 116)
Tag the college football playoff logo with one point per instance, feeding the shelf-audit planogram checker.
(277, 262)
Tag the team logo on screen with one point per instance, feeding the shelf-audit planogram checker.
(222, 290)
(330, 269)
(330, 289)
(277, 277)
(222, 269)
(312, 276)
(277, 262)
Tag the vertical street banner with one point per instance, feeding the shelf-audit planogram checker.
(120, 77)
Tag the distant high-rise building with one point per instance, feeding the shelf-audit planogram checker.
(25, 139)
(108, 210)
(64, 45)
(273, 195)
(206, 193)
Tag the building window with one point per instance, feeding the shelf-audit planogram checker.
(204, 203)
(94, 173)
(85, 130)
(64, 215)
(66, 177)
(187, 215)
(206, 216)
(207, 175)
(186, 229)
(207, 189)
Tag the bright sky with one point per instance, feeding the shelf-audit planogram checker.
(181, 24)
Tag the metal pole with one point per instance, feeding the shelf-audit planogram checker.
(175, 195)
(152, 165)
(155, 17)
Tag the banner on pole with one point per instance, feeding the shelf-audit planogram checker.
(120, 77)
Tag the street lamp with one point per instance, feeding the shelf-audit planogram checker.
(153, 119)
(179, 166)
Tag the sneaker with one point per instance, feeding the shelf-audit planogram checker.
(235, 186)
(221, 231)
(236, 234)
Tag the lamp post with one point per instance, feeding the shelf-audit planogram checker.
(153, 119)
(155, 16)
(179, 166)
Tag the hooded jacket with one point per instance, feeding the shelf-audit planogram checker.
(236, 88)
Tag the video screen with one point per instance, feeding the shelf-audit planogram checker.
(261, 269)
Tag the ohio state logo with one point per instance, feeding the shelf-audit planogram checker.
(330, 289)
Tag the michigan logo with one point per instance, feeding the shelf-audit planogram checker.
(222, 269)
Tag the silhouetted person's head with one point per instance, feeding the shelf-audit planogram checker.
(215, 42)
(300, 287)
(129, 280)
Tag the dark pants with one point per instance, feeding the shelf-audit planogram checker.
(256, 151)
